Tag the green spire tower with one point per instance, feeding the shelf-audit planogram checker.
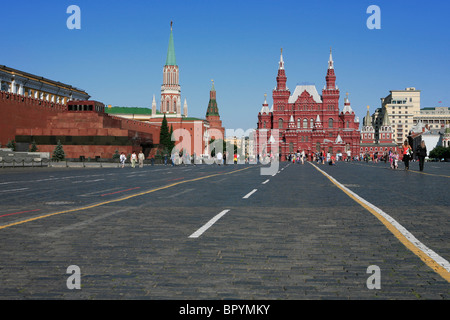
(212, 105)
(212, 113)
(170, 89)
(171, 60)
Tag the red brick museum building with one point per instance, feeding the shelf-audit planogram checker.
(306, 121)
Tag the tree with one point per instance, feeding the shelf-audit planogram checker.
(164, 136)
(12, 145)
(116, 155)
(440, 153)
(33, 147)
(58, 153)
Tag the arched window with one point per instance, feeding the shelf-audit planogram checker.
(298, 123)
(311, 123)
(305, 123)
(330, 123)
(280, 123)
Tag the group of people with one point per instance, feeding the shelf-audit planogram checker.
(319, 157)
(297, 157)
(300, 157)
(134, 159)
(407, 155)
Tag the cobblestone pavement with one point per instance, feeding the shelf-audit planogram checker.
(298, 236)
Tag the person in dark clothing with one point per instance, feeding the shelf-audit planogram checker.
(421, 153)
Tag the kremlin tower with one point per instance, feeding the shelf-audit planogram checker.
(212, 113)
(170, 89)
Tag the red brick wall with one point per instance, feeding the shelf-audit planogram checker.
(17, 111)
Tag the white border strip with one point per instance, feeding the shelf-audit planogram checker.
(205, 227)
(408, 235)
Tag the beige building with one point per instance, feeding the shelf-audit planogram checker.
(433, 118)
(402, 106)
(37, 87)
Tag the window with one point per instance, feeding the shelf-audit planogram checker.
(311, 123)
(330, 123)
(305, 123)
(280, 123)
(298, 123)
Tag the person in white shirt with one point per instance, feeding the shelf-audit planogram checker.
(122, 159)
(141, 158)
(133, 159)
(219, 158)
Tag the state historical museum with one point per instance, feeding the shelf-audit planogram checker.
(307, 121)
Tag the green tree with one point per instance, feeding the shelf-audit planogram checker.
(58, 153)
(116, 155)
(440, 153)
(164, 136)
(33, 147)
(12, 145)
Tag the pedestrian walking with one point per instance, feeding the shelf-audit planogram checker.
(219, 158)
(421, 153)
(141, 158)
(406, 152)
(391, 159)
(133, 159)
(122, 159)
(395, 160)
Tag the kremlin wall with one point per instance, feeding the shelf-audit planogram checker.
(83, 133)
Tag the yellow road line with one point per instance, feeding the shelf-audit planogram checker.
(429, 257)
(117, 200)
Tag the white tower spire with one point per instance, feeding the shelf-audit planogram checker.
(185, 108)
(154, 106)
(330, 61)
(281, 64)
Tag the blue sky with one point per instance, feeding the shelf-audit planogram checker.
(119, 53)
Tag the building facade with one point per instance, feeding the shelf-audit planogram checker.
(26, 100)
(433, 117)
(377, 135)
(29, 85)
(401, 107)
(306, 121)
